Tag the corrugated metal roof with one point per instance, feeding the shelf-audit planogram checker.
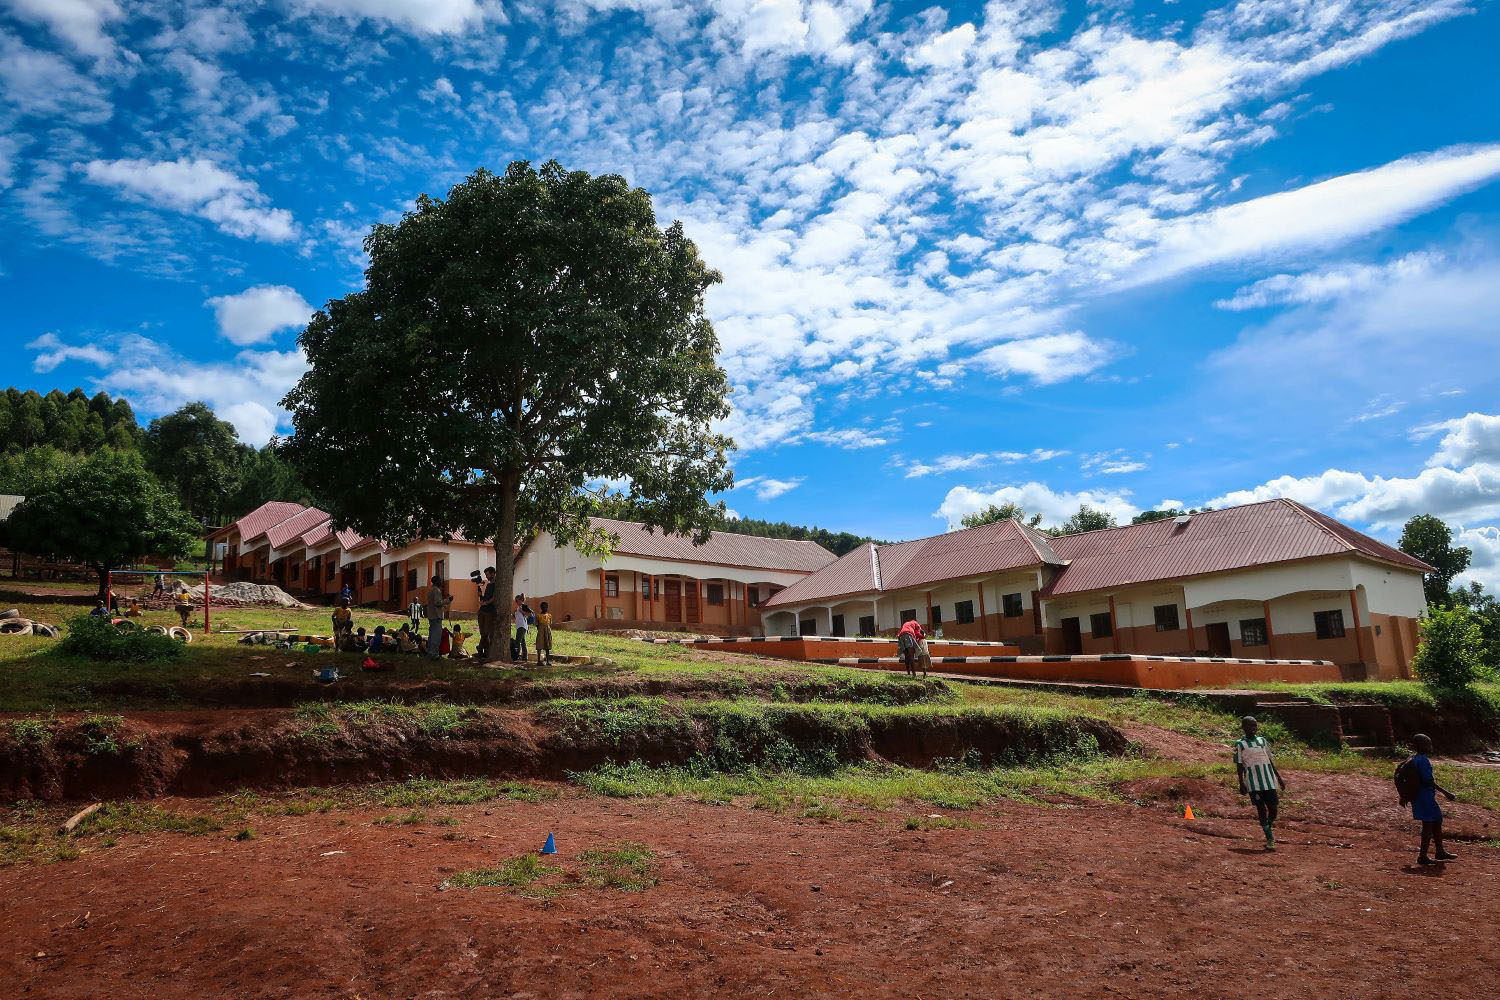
(265, 517)
(293, 527)
(989, 548)
(723, 548)
(1212, 542)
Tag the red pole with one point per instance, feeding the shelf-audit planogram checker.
(205, 604)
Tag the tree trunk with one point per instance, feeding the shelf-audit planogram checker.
(505, 563)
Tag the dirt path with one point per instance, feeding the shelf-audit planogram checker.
(1085, 900)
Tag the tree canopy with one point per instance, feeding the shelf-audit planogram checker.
(1001, 512)
(195, 453)
(106, 511)
(1431, 541)
(838, 542)
(530, 334)
(69, 422)
(1085, 518)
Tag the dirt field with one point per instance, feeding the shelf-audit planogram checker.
(1058, 900)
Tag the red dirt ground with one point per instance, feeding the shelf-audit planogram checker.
(1059, 901)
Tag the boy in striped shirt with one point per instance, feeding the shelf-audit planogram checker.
(1258, 775)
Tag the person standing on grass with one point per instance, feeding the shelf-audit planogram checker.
(1258, 776)
(910, 640)
(434, 609)
(488, 616)
(543, 634)
(523, 620)
(1424, 805)
(160, 587)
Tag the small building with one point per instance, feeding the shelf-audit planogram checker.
(656, 580)
(1271, 580)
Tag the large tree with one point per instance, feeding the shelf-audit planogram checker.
(108, 512)
(198, 455)
(1431, 541)
(265, 475)
(532, 333)
(1085, 518)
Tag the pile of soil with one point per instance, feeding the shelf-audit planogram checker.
(152, 754)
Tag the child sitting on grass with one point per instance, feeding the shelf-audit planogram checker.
(406, 642)
(456, 643)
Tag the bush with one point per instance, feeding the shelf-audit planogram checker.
(1451, 656)
(94, 638)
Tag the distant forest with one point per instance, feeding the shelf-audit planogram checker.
(215, 475)
(837, 542)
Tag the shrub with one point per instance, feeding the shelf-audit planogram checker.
(94, 638)
(1451, 656)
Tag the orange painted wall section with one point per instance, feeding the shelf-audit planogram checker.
(1157, 674)
(802, 649)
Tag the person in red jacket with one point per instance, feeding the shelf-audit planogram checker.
(913, 645)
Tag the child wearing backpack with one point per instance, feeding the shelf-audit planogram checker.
(1258, 776)
(1415, 784)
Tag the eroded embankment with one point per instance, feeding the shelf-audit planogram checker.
(146, 756)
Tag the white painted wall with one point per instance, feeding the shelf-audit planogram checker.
(1389, 591)
(1270, 582)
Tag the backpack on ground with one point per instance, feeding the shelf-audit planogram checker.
(1408, 782)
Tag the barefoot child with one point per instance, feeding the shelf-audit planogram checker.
(544, 635)
(1258, 776)
(1424, 806)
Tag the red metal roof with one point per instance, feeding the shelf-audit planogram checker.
(280, 535)
(723, 548)
(987, 549)
(265, 517)
(1233, 538)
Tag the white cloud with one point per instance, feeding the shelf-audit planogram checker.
(848, 438)
(1474, 437)
(1169, 505)
(957, 463)
(1328, 283)
(767, 488)
(1318, 215)
(256, 314)
(245, 390)
(1324, 491)
(1047, 359)
(80, 23)
(51, 352)
(944, 50)
(1484, 561)
(43, 84)
(1036, 498)
(198, 187)
(428, 17)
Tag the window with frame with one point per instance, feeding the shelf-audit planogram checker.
(368, 578)
(611, 585)
(937, 615)
(807, 627)
(646, 587)
(867, 625)
(715, 593)
(1329, 624)
(963, 612)
(1253, 632)
(838, 625)
(1101, 626)
(1011, 605)
(1166, 617)
(752, 594)
(909, 615)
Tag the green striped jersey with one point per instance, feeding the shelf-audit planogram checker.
(1254, 755)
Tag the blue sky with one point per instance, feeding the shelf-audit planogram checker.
(1110, 252)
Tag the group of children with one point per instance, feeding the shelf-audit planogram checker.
(1415, 784)
(348, 638)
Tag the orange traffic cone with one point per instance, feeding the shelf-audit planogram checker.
(1187, 812)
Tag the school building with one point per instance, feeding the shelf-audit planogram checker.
(1271, 580)
(655, 580)
(297, 549)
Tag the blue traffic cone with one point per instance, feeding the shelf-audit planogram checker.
(550, 847)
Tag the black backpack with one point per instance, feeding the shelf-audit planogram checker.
(1408, 782)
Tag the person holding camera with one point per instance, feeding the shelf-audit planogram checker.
(487, 612)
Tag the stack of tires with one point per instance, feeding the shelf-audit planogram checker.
(11, 623)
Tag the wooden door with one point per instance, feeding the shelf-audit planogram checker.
(1218, 639)
(672, 591)
(1072, 637)
(690, 598)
